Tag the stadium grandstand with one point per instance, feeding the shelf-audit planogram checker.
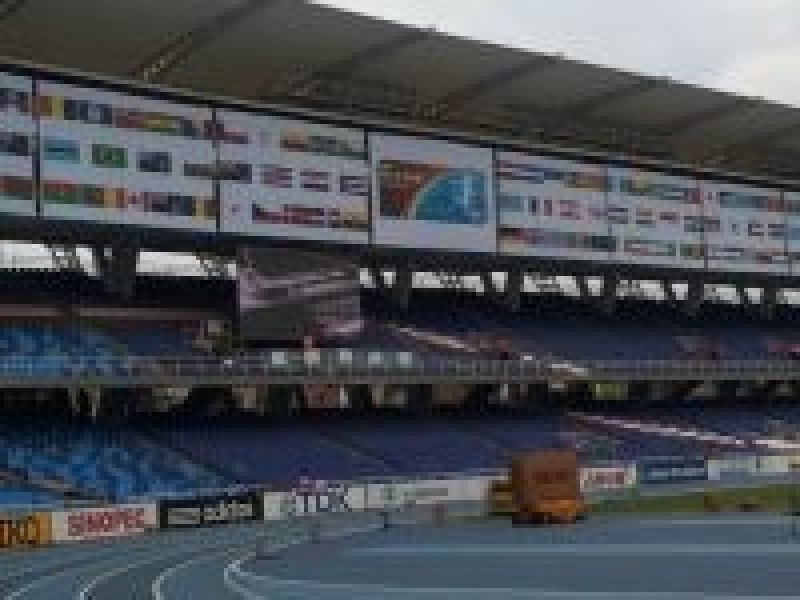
(251, 243)
(149, 350)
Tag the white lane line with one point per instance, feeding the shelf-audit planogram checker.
(86, 590)
(157, 587)
(584, 550)
(312, 589)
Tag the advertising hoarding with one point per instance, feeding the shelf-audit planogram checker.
(430, 194)
(656, 219)
(293, 179)
(614, 477)
(17, 145)
(224, 509)
(21, 531)
(672, 470)
(551, 207)
(102, 523)
(751, 229)
(123, 159)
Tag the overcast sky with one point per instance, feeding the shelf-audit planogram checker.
(746, 46)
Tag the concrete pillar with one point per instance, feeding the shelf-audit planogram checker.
(95, 396)
(669, 291)
(582, 284)
(401, 289)
(608, 302)
(515, 281)
(695, 294)
(744, 297)
(769, 299)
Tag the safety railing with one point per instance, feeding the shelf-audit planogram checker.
(358, 364)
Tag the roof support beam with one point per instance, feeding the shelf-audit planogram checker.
(473, 92)
(346, 66)
(686, 124)
(756, 141)
(610, 97)
(175, 52)
(9, 8)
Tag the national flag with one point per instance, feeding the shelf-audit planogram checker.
(354, 185)
(232, 136)
(60, 192)
(61, 150)
(51, 107)
(16, 188)
(514, 171)
(317, 181)
(570, 210)
(277, 176)
(776, 231)
(670, 217)
(618, 215)
(755, 229)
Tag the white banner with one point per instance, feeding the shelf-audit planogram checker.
(315, 498)
(107, 522)
(595, 479)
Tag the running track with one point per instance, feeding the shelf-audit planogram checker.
(192, 565)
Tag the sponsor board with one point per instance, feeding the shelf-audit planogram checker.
(210, 511)
(427, 492)
(672, 470)
(595, 479)
(318, 498)
(107, 522)
(25, 531)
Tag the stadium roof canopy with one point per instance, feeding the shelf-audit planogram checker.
(304, 54)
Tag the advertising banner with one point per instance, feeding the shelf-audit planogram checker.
(25, 531)
(430, 194)
(672, 470)
(596, 479)
(210, 511)
(321, 497)
(100, 523)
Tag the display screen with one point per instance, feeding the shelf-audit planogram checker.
(657, 219)
(432, 194)
(750, 229)
(552, 208)
(17, 145)
(291, 295)
(292, 179)
(124, 159)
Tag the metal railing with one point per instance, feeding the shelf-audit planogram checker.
(359, 365)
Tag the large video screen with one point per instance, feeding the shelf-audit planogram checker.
(750, 229)
(17, 145)
(551, 208)
(432, 194)
(791, 203)
(657, 219)
(292, 179)
(115, 158)
(293, 295)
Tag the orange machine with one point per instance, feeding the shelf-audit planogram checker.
(546, 488)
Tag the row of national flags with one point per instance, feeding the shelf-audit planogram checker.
(324, 217)
(314, 180)
(121, 199)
